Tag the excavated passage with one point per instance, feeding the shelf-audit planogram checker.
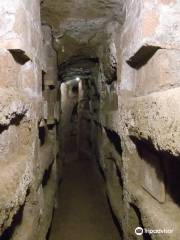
(83, 212)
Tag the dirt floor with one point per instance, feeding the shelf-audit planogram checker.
(82, 211)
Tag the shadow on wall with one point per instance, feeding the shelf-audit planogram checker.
(16, 221)
(50, 227)
(16, 120)
(8, 233)
(142, 56)
(42, 134)
(146, 236)
(115, 220)
(47, 175)
(114, 139)
(74, 114)
(166, 166)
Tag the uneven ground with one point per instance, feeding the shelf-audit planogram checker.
(83, 212)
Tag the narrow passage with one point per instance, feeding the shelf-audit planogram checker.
(82, 212)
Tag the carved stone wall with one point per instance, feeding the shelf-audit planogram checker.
(28, 122)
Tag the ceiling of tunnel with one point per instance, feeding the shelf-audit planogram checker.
(78, 67)
(79, 25)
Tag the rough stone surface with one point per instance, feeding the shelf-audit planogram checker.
(78, 26)
(98, 80)
(20, 28)
(25, 155)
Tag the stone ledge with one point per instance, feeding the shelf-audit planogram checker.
(149, 119)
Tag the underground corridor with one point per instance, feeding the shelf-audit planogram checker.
(89, 120)
(83, 210)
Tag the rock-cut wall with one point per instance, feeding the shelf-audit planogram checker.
(136, 134)
(29, 116)
(129, 116)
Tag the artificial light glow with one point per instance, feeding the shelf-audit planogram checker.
(78, 79)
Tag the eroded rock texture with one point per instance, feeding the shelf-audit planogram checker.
(90, 79)
(28, 140)
(79, 27)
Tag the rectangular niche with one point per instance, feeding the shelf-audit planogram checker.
(156, 69)
(152, 177)
(142, 56)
